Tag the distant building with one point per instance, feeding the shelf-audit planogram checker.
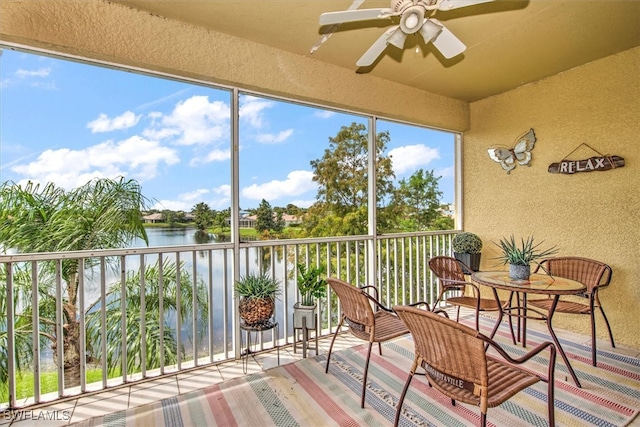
(153, 218)
(249, 221)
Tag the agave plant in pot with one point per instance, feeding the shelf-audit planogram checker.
(520, 257)
(257, 294)
(312, 287)
(466, 248)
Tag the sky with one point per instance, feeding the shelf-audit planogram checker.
(68, 122)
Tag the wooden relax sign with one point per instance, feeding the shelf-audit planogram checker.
(600, 163)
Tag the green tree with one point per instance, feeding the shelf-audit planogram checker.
(101, 214)
(169, 217)
(221, 219)
(416, 201)
(264, 220)
(292, 209)
(278, 223)
(341, 175)
(202, 216)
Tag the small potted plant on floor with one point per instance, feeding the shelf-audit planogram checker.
(257, 294)
(466, 248)
(312, 287)
(520, 257)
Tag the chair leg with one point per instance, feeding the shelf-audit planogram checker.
(606, 321)
(592, 303)
(458, 314)
(551, 403)
(364, 378)
(399, 406)
(593, 334)
(331, 345)
(483, 419)
(513, 336)
(478, 320)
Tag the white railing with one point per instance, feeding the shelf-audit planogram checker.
(197, 305)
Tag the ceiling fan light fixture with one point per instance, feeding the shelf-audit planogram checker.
(430, 30)
(397, 38)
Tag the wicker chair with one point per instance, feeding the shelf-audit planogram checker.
(364, 322)
(456, 364)
(594, 275)
(450, 273)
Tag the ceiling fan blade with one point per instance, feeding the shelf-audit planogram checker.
(376, 48)
(448, 44)
(455, 4)
(354, 15)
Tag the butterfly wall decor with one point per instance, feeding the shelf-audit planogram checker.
(520, 153)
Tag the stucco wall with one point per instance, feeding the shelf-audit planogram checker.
(110, 32)
(589, 214)
(595, 214)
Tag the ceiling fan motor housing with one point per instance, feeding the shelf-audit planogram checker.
(412, 19)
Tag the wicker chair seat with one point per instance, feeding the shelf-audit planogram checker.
(388, 326)
(504, 382)
(562, 307)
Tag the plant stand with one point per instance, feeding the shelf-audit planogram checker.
(304, 323)
(269, 325)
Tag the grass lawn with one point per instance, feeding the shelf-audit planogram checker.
(48, 382)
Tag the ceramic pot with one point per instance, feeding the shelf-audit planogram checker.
(304, 311)
(472, 260)
(519, 272)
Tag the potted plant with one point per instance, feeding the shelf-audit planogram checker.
(520, 257)
(466, 248)
(257, 294)
(312, 287)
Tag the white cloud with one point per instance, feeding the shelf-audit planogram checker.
(223, 200)
(192, 121)
(268, 138)
(324, 114)
(303, 203)
(34, 78)
(104, 124)
(134, 157)
(410, 158)
(42, 72)
(297, 182)
(215, 155)
(162, 100)
(184, 202)
(217, 198)
(446, 172)
(251, 110)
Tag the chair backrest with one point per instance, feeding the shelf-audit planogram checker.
(589, 272)
(353, 302)
(454, 353)
(446, 268)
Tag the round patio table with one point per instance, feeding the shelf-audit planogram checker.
(538, 284)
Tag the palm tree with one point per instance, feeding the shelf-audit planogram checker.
(101, 214)
(156, 345)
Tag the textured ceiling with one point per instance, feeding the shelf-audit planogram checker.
(509, 43)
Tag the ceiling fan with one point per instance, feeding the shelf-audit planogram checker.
(415, 17)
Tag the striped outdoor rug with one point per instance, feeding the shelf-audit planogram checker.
(301, 394)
